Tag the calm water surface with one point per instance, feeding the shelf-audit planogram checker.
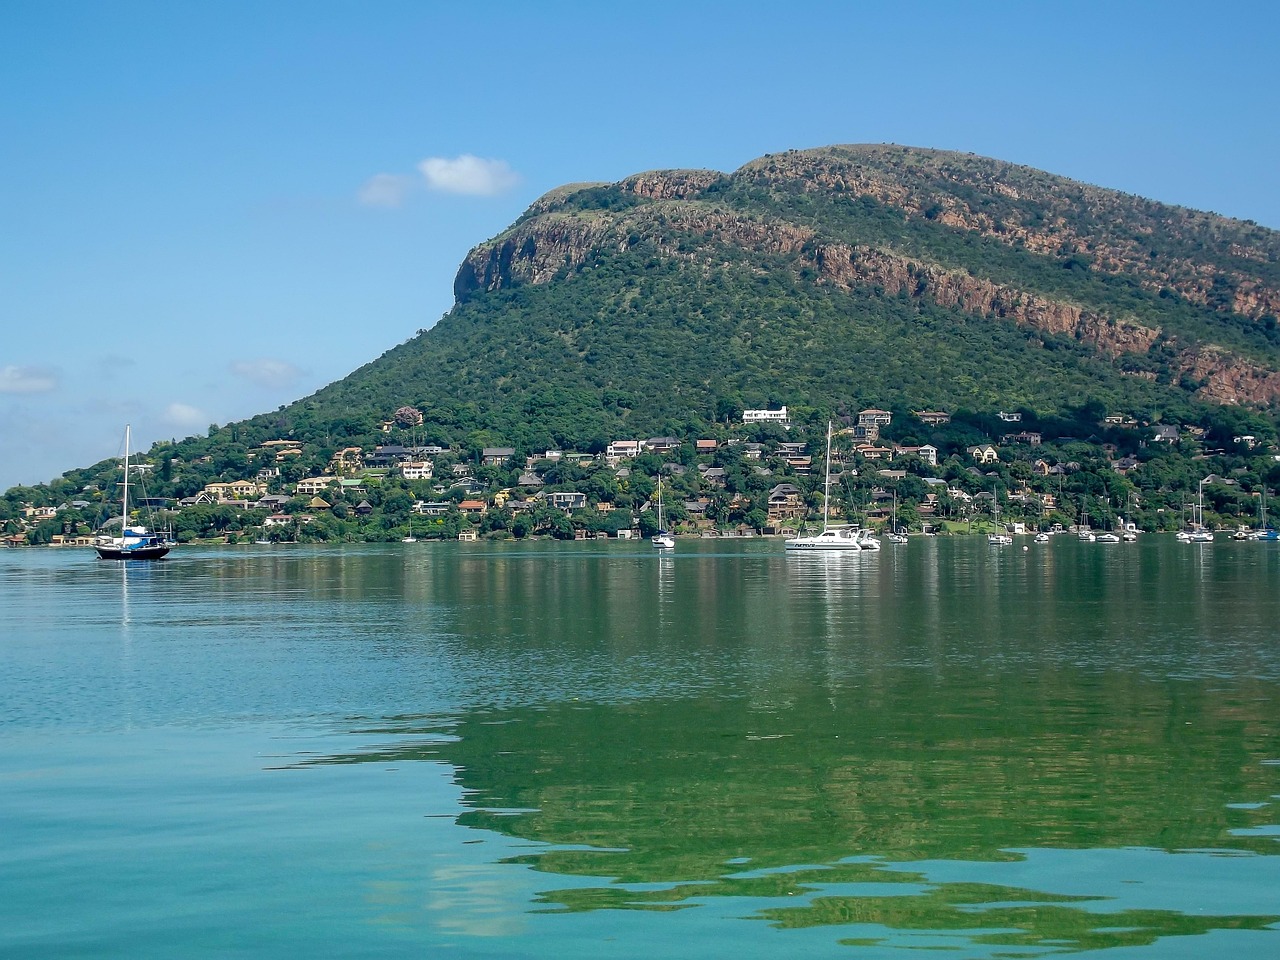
(589, 751)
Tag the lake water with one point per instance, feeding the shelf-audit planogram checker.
(590, 751)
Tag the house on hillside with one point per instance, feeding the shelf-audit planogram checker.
(983, 453)
(314, 485)
(622, 450)
(662, 444)
(566, 500)
(874, 418)
(786, 501)
(934, 418)
(496, 456)
(417, 469)
(926, 452)
(767, 416)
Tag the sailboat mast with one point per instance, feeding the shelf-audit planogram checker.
(826, 484)
(124, 498)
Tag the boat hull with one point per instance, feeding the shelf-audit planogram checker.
(148, 552)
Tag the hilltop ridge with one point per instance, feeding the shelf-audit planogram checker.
(828, 280)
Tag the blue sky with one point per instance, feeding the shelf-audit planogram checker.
(211, 210)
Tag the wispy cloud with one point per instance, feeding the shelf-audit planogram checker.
(468, 174)
(267, 372)
(15, 379)
(184, 416)
(385, 190)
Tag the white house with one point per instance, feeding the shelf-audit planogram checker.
(766, 416)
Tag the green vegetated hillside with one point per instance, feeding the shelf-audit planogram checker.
(831, 280)
(827, 280)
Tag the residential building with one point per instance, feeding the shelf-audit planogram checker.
(935, 418)
(417, 469)
(567, 500)
(786, 501)
(235, 490)
(926, 452)
(1029, 437)
(314, 485)
(661, 444)
(767, 416)
(983, 453)
(496, 456)
(622, 450)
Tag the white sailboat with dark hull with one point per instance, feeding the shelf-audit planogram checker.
(135, 542)
(844, 538)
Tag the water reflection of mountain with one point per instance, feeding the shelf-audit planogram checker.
(754, 729)
(828, 795)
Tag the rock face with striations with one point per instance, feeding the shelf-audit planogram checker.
(1121, 275)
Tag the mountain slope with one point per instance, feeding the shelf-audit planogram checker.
(833, 279)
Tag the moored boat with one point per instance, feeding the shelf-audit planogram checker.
(135, 542)
(663, 539)
(840, 538)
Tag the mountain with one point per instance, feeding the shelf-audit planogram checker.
(830, 280)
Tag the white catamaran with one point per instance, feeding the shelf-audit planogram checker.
(833, 538)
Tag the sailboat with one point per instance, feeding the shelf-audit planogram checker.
(1198, 533)
(999, 538)
(1264, 532)
(663, 539)
(836, 538)
(136, 542)
(410, 538)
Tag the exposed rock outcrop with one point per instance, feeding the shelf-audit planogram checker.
(678, 215)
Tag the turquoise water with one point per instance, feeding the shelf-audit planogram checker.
(587, 750)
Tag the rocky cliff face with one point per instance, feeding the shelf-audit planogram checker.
(1021, 206)
(681, 215)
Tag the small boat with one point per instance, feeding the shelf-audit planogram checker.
(135, 542)
(1107, 538)
(999, 539)
(843, 537)
(1042, 538)
(663, 539)
(1086, 535)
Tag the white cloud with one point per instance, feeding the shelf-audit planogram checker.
(267, 372)
(15, 379)
(184, 416)
(468, 174)
(385, 190)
